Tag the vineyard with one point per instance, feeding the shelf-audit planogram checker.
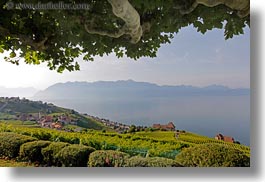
(129, 143)
(153, 144)
(198, 139)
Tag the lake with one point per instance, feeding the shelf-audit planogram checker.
(205, 115)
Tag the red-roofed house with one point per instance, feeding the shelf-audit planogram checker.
(156, 126)
(57, 126)
(229, 139)
(48, 118)
(46, 121)
(64, 119)
(219, 137)
(170, 126)
(224, 138)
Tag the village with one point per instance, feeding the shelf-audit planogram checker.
(123, 128)
(56, 121)
(118, 127)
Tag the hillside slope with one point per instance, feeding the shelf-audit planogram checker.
(14, 108)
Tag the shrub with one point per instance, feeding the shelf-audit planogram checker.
(91, 143)
(162, 162)
(213, 155)
(50, 151)
(138, 161)
(107, 158)
(42, 135)
(10, 143)
(74, 155)
(31, 151)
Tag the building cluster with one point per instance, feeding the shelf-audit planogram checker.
(48, 121)
(118, 127)
(122, 128)
(19, 100)
(14, 99)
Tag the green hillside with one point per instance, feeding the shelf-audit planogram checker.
(11, 108)
(15, 105)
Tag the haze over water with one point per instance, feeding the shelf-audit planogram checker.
(204, 115)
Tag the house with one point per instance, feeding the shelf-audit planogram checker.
(224, 138)
(23, 117)
(169, 127)
(48, 118)
(33, 117)
(229, 139)
(156, 126)
(57, 126)
(46, 121)
(64, 119)
(219, 137)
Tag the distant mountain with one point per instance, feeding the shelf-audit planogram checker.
(17, 92)
(128, 90)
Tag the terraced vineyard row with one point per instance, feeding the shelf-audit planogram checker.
(158, 143)
(197, 139)
(128, 143)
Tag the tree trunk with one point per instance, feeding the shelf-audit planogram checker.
(124, 10)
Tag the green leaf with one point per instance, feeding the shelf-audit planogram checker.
(1, 50)
(35, 58)
(77, 66)
(12, 55)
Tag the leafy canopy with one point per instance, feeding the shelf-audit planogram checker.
(57, 37)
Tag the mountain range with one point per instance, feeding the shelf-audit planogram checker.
(129, 89)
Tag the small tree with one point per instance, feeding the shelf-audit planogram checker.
(132, 129)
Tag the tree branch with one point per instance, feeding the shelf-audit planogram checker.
(242, 6)
(90, 29)
(104, 33)
(124, 10)
(39, 46)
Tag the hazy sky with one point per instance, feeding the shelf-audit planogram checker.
(191, 59)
